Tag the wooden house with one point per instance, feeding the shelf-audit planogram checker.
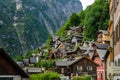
(77, 67)
(76, 39)
(103, 37)
(10, 70)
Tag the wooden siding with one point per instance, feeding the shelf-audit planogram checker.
(6, 68)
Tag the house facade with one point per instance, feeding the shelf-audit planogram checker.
(77, 67)
(115, 35)
(98, 58)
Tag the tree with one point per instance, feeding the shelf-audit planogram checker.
(96, 17)
(74, 20)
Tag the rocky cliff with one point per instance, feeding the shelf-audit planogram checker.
(26, 24)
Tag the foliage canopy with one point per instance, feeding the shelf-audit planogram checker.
(93, 18)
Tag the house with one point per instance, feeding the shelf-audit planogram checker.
(33, 60)
(76, 39)
(57, 44)
(103, 37)
(99, 57)
(115, 24)
(9, 69)
(26, 62)
(77, 67)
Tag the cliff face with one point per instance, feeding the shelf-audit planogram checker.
(26, 24)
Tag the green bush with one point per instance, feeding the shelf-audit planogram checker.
(45, 76)
(87, 77)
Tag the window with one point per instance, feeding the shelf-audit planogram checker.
(115, 62)
(118, 62)
(79, 68)
(89, 68)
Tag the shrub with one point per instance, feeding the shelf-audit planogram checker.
(87, 77)
(45, 76)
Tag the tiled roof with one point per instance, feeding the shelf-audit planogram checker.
(102, 46)
(83, 48)
(68, 63)
(86, 48)
(101, 53)
(63, 63)
(34, 70)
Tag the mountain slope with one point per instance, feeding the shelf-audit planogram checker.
(26, 24)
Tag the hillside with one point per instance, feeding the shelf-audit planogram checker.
(93, 18)
(26, 24)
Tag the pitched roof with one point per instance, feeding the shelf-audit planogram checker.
(63, 63)
(101, 53)
(18, 69)
(86, 48)
(68, 63)
(104, 32)
(34, 70)
(102, 46)
(83, 48)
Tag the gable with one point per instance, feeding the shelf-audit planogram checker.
(8, 66)
(101, 53)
